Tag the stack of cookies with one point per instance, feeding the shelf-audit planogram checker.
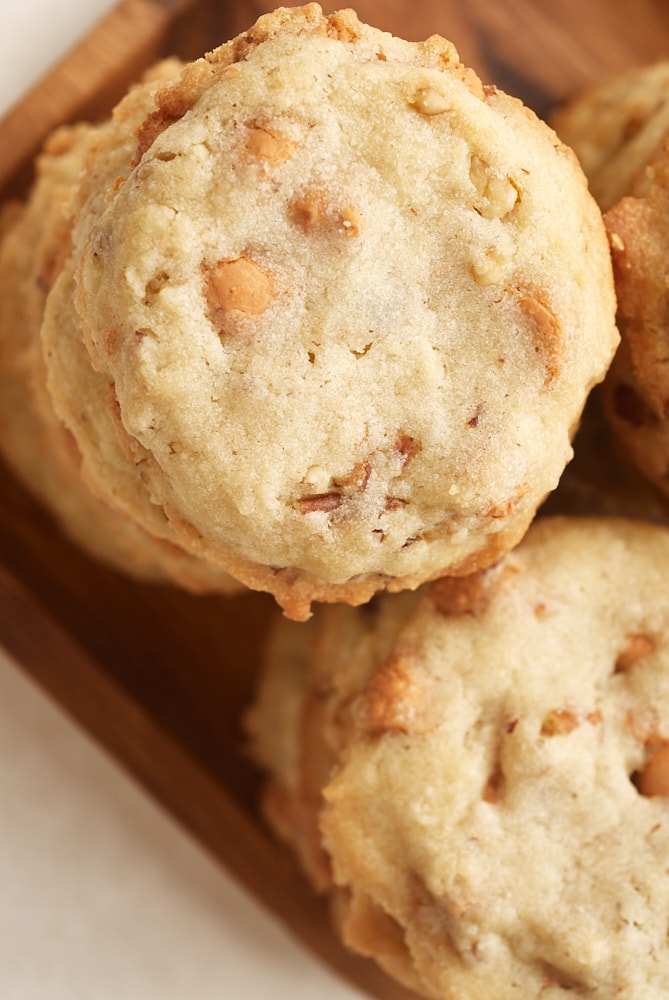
(320, 311)
(318, 315)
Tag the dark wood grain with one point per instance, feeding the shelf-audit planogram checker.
(159, 677)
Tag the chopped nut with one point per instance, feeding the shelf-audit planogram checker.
(395, 699)
(494, 788)
(498, 195)
(325, 502)
(490, 266)
(637, 647)
(312, 210)
(342, 25)
(654, 779)
(505, 508)
(547, 333)
(308, 210)
(430, 101)
(394, 503)
(408, 448)
(358, 477)
(318, 479)
(239, 285)
(154, 286)
(559, 722)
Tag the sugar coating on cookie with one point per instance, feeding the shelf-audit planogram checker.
(351, 302)
(493, 818)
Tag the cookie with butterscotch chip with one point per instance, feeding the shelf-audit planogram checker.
(35, 247)
(351, 303)
(477, 773)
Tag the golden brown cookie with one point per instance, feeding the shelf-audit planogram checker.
(616, 128)
(34, 250)
(476, 773)
(620, 131)
(351, 303)
(636, 394)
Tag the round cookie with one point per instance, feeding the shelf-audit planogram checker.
(620, 131)
(636, 391)
(602, 479)
(492, 810)
(34, 250)
(616, 127)
(351, 303)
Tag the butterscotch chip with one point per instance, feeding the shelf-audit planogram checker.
(492, 818)
(335, 267)
(268, 145)
(239, 285)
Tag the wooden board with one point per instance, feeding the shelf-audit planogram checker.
(159, 677)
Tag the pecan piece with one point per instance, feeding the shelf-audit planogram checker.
(396, 699)
(559, 722)
(325, 502)
(654, 778)
(408, 448)
(548, 339)
(638, 646)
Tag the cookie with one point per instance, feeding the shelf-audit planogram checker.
(491, 819)
(616, 128)
(34, 249)
(602, 479)
(626, 155)
(637, 388)
(351, 303)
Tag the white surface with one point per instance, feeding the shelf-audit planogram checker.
(102, 897)
(34, 34)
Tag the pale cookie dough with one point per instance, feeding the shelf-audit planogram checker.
(35, 244)
(351, 302)
(478, 773)
(620, 131)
